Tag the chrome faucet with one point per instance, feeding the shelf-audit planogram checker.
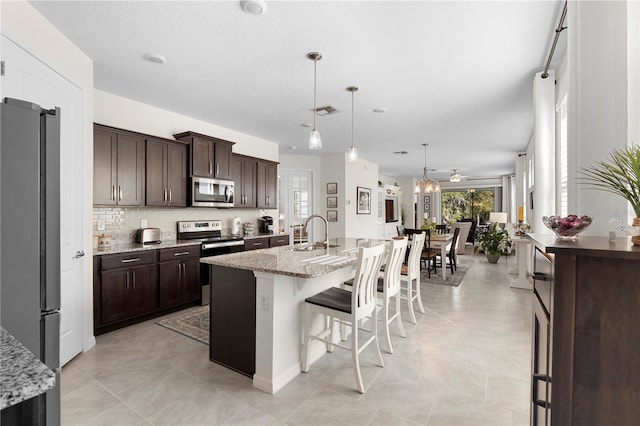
(326, 228)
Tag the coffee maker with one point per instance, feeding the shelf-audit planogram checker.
(266, 225)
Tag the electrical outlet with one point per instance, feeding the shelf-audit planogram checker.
(101, 225)
(264, 302)
(143, 223)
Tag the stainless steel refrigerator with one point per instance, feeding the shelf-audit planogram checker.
(30, 238)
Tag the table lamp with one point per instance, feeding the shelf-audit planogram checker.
(498, 217)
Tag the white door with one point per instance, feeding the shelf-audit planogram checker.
(296, 197)
(29, 79)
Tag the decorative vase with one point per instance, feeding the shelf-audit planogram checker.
(636, 238)
(493, 257)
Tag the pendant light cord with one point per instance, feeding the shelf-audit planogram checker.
(352, 125)
(315, 64)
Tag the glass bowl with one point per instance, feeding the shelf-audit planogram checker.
(569, 227)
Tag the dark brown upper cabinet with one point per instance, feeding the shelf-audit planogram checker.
(166, 173)
(210, 157)
(267, 184)
(243, 173)
(119, 167)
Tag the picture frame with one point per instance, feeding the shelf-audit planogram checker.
(427, 207)
(363, 200)
(296, 195)
(296, 208)
(427, 198)
(332, 215)
(332, 202)
(332, 188)
(428, 212)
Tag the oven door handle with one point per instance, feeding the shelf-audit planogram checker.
(208, 246)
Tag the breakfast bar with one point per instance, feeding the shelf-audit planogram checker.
(272, 284)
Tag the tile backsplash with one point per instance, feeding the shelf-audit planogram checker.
(122, 222)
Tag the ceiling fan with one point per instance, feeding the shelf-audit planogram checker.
(456, 177)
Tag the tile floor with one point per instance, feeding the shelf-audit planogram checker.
(466, 362)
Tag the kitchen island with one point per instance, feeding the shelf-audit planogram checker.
(257, 301)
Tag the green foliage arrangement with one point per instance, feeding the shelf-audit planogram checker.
(620, 175)
(494, 241)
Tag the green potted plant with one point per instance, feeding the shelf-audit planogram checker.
(494, 242)
(621, 176)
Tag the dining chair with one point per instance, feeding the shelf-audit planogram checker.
(428, 254)
(441, 229)
(347, 307)
(410, 273)
(452, 252)
(389, 286)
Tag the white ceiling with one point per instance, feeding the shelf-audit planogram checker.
(456, 75)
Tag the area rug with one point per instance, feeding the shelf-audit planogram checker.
(452, 280)
(194, 324)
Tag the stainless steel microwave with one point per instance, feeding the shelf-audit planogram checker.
(207, 192)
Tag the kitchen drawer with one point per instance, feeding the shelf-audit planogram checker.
(543, 278)
(256, 243)
(280, 240)
(179, 253)
(127, 260)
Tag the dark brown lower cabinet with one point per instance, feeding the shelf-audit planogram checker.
(586, 343)
(136, 286)
(179, 282)
(233, 319)
(128, 292)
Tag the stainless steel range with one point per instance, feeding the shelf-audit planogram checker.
(209, 233)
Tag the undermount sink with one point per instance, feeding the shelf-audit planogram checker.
(314, 246)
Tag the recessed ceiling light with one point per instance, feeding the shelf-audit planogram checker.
(254, 7)
(379, 110)
(305, 125)
(156, 58)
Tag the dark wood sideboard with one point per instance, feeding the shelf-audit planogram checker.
(586, 332)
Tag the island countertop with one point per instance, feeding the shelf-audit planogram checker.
(285, 260)
(23, 375)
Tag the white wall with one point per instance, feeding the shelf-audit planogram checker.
(117, 111)
(23, 25)
(361, 173)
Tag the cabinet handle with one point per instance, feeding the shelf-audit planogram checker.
(217, 169)
(113, 192)
(542, 377)
(210, 168)
(178, 271)
(184, 271)
(540, 276)
(169, 195)
(119, 192)
(182, 253)
(127, 281)
(543, 404)
(133, 275)
(135, 259)
(257, 244)
(164, 195)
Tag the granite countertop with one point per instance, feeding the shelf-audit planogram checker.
(23, 376)
(131, 247)
(285, 260)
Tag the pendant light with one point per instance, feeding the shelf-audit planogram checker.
(352, 153)
(425, 184)
(315, 142)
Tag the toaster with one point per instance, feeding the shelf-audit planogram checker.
(148, 235)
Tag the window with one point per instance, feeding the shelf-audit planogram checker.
(467, 204)
(562, 202)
